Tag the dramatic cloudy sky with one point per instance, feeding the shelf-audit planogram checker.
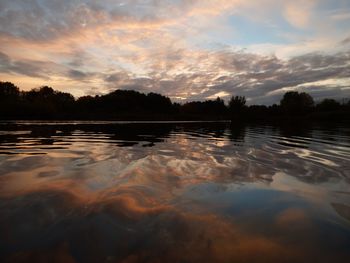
(185, 49)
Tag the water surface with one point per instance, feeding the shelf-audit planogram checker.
(174, 192)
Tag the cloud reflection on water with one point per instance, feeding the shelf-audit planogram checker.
(201, 193)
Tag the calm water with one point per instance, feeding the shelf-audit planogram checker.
(174, 192)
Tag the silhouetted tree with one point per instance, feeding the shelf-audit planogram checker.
(87, 106)
(158, 103)
(257, 112)
(205, 109)
(47, 103)
(8, 90)
(295, 103)
(328, 105)
(192, 108)
(9, 100)
(236, 104)
(219, 107)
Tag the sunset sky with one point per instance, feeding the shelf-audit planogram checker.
(185, 49)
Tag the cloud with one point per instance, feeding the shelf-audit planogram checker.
(298, 13)
(76, 74)
(117, 77)
(262, 79)
(40, 69)
(341, 15)
(345, 41)
(47, 20)
(30, 68)
(183, 49)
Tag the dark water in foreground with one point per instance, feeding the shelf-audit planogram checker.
(172, 192)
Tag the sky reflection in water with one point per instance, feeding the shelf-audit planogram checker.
(173, 192)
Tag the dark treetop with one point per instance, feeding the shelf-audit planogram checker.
(47, 103)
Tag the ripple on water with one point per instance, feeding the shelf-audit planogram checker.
(172, 192)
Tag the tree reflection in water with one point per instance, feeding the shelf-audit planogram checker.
(173, 192)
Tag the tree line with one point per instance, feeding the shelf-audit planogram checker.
(47, 103)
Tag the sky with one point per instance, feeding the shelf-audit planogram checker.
(184, 49)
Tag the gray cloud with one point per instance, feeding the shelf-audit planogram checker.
(43, 20)
(345, 41)
(175, 70)
(76, 74)
(5, 62)
(260, 78)
(40, 20)
(38, 69)
(117, 78)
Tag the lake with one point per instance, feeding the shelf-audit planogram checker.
(174, 192)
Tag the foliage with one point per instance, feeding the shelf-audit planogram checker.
(47, 103)
(8, 90)
(236, 104)
(328, 105)
(297, 103)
